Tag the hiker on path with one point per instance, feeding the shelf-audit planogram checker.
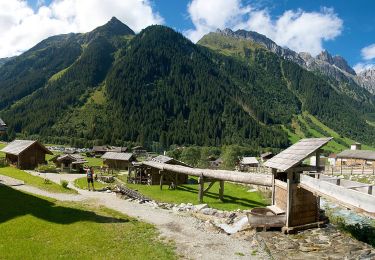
(90, 178)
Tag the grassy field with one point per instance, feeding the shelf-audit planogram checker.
(34, 180)
(2, 145)
(34, 227)
(82, 184)
(235, 196)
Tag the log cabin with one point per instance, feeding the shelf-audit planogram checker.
(25, 154)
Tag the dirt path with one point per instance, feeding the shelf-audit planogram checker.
(191, 239)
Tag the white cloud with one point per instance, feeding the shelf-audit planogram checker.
(21, 27)
(297, 30)
(368, 52)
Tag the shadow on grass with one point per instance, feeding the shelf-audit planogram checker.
(15, 203)
(227, 198)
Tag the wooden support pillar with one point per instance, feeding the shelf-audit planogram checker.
(176, 180)
(274, 171)
(289, 199)
(201, 188)
(341, 166)
(161, 179)
(221, 191)
(370, 190)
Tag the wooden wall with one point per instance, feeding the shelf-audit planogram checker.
(117, 164)
(281, 194)
(32, 157)
(304, 208)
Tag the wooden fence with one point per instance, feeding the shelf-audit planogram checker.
(350, 170)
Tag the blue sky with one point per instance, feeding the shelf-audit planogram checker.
(345, 28)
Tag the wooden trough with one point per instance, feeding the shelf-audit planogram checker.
(265, 218)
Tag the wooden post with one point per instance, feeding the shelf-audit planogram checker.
(274, 171)
(221, 191)
(176, 180)
(161, 179)
(201, 188)
(340, 166)
(289, 199)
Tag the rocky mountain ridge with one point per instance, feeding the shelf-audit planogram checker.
(334, 67)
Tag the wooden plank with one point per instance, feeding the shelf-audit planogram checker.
(201, 188)
(276, 210)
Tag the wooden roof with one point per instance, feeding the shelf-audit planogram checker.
(162, 159)
(357, 154)
(168, 160)
(296, 153)
(76, 158)
(18, 146)
(2, 123)
(249, 160)
(117, 156)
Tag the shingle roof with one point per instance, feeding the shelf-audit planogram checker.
(117, 156)
(296, 153)
(249, 160)
(162, 159)
(77, 158)
(18, 146)
(2, 123)
(357, 154)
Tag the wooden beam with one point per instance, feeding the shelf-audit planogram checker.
(274, 171)
(209, 187)
(234, 176)
(221, 191)
(201, 188)
(161, 179)
(289, 198)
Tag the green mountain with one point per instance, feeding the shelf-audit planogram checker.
(157, 88)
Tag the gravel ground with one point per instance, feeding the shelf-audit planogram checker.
(192, 238)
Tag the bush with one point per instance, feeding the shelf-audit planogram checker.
(64, 184)
(46, 168)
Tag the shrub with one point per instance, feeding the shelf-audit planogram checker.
(46, 168)
(64, 184)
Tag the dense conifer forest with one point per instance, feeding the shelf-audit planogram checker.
(158, 89)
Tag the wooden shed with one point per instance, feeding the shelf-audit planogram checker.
(99, 151)
(299, 207)
(69, 162)
(266, 156)
(3, 127)
(118, 161)
(150, 175)
(26, 154)
(247, 163)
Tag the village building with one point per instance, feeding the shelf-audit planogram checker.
(3, 127)
(355, 157)
(141, 174)
(247, 163)
(99, 151)
(25, 154)
(266, 156)
(118, 161)
(216, 163)
(139, 150)
(69, 162)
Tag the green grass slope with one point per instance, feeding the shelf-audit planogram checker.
(33, 227)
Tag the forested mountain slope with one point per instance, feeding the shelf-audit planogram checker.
(158, 88)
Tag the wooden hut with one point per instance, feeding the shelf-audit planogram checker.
(247, 163)
(99, 151)
(356, 157)
(266, 156)
(69, 162)
(139, 150)
(151, 175)
(118, 161)
(25, 154)
(297, 207)
(3, 127)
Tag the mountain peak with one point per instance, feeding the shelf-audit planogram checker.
(336, 60)
(113, 27)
